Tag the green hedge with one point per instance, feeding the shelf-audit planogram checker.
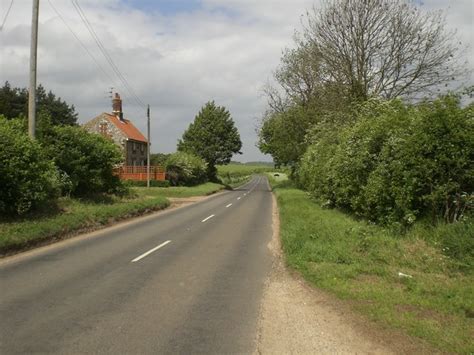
(185, 169)
(397, 163)
(87, 160)
(28, 179)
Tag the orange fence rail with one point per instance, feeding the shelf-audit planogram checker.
(139, 173)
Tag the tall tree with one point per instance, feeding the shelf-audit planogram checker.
(14, 103)
(212, 136)
(385, 48)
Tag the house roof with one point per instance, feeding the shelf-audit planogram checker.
(127, 128)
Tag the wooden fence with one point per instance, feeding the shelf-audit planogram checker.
(139, 173)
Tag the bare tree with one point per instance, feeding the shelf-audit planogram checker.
(387, 48)
(300, 72)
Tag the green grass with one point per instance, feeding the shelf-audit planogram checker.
(74, 215)
(205, 189)
(360, 262)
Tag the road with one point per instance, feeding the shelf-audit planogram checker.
(186, 281)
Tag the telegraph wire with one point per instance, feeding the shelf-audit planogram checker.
(107, 56)
(81, 43)
(6, 15)
(85, 47)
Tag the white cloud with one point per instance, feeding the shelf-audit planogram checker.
(225, 51)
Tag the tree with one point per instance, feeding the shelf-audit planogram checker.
(282, 135)
(14, 103)
(384, 48)
(212, 136)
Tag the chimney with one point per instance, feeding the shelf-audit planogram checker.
(117, 106)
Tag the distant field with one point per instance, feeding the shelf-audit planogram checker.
(234, 175)
(241, 169)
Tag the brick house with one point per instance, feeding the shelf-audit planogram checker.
(122, 132)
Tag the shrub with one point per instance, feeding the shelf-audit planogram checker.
(28, 179)
(397, 163)
(87, 160)
(426, 168)
(185, 169)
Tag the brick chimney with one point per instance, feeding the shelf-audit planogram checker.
(117, 106)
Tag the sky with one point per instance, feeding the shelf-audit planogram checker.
(175, 54)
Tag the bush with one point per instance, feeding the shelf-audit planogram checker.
(397, 163)
(86, 159)
(28, 179)
(425, 168)
(185, 169)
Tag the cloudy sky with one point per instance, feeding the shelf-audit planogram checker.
(175, 54)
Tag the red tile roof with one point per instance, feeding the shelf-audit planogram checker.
(127, 127)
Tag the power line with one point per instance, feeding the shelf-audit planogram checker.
(81, 43)
(107, 56)
(6, 15)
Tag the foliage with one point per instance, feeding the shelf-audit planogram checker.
(185, 169)
(212, 136)
(86, 159)
(283, 135)
(397, 162)
(14, 103)
(158, 159)
(28, 179)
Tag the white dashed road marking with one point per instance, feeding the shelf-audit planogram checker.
(207, 218)
(150, 251)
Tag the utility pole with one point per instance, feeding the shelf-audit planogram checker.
(148, 148)
(33, 60)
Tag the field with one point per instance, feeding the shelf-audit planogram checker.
(410, 281)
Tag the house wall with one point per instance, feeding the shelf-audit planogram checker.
(95, 126)
(135, 153)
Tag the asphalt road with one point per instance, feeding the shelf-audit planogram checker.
(187, 281)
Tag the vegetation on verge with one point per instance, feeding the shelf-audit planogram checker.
(73, 215)
(421, 282)
(396, 163)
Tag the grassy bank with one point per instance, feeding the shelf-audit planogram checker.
(367, 265)
(73, 215)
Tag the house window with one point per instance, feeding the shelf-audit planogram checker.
(142, 147)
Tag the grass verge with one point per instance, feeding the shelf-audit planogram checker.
(73, 216)
(205, 189)
(361, 263)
